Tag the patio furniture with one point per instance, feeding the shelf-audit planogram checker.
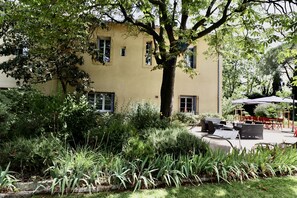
(204, 123)
(250, 131)
(213, 126)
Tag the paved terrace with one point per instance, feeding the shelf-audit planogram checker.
(269, 136)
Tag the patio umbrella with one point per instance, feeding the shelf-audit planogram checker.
(240, 101)
(246, 101)
(272, 99)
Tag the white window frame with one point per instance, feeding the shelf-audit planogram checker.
(96, 98)
(105, 58)
(191, 57)
(185, 108)
(148, 53)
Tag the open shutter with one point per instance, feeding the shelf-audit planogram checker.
(194, 56)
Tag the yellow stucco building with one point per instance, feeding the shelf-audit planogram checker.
(122, 74)
(126, 75)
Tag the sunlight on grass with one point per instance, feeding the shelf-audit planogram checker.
(220, 193)
(284, 187)
(141, 194)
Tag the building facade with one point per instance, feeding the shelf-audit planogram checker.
(122, 72)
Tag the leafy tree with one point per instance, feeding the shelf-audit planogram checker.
(173, 25)
(281, 61)
(45, 38)
(181, 23)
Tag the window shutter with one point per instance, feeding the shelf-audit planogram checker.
(194, 104)
(112, 103)
(194, 57)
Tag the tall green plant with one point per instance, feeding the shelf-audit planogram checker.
(30, 156)
(7, 180)
(29, 113)
(78, 118)
(146, 115)
(112, 132)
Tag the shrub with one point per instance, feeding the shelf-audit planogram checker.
(176, 141)
(266, 110)
(227, 107)
(30, 156)
(138, 149)
(111, 133)
(6, 118)
(146, 115)
(78, 118)
(29, 113)
(186, 118)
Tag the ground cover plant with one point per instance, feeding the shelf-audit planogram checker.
(121, 150)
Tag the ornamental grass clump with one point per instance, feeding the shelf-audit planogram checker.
(260, 162)
(7, 180)
(74, 169)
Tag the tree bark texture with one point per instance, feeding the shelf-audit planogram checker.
(167, 88)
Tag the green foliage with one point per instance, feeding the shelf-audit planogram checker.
(146, 115)
(78, 118)
(186, 118)
(136, 148)
(112, 132)
(29, 113)
(7, 180)
(266, 110)
(227, 107)
(30, 156)
(5, 120)
(71, 169)
(39, 54)
(176, 141)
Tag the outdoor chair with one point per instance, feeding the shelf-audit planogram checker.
(213, 126)
(204, 127)
(204, 123)
(251, 131)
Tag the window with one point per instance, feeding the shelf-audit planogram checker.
(187, 104)
(148, 52)
(123, 51)
(102, 102)
(104, 45)
(191, 57)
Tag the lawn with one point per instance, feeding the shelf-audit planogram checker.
(271, 187)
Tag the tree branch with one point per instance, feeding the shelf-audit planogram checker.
(214, 26)
(164, 20)
(184, 16)
(146, 27)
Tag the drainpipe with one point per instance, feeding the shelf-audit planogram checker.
(219, 79)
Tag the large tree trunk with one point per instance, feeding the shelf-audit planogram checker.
(64, 86)
(167, 88)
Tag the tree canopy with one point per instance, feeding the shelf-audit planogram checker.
(50, 28)
(44, 40)
(174, 25)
